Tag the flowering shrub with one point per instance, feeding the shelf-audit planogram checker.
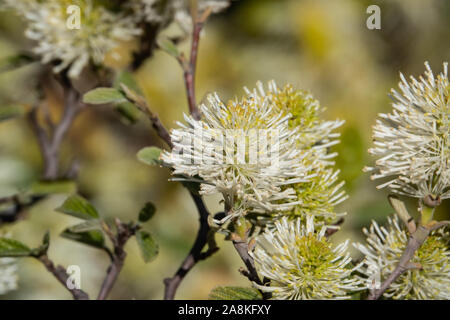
(267, 155)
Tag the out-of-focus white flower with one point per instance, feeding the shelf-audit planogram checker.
(302, 264)
(413, 142)
(226, 148)
(178, 11)
(152, 11)
(182, 14)
(101, 31)
(382, 253)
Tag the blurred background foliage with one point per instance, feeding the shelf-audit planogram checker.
(322, 46)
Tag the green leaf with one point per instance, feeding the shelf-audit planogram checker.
(235, 293)
(11, 111)
(147, 212)
(91, 238)
(130, 114)
(127, 79)
(168, 46)
(79, 207)
(13, 62)
(150, 156)
(53, 187)
(13, 248)
(149, 248)
(85, 226)
(103, 96)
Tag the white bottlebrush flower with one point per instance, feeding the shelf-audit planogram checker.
(322, 192)
(413, 142)
(383, 251)
(101, 31)
(226, 149)
(302, 264)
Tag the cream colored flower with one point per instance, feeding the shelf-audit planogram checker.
(101, 30)
(244, 150)
(302, 264)
(383, 251)
(413, 142)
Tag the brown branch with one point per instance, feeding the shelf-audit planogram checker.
(49, 145)
(242, 249)
(196, 253)
(414, 243)
(61, 275)
(145, 109)
(124, 233)
(203, 238)
(190, 68)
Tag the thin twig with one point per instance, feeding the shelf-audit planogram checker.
(190, 68)
(49, 145)
(145, 109)
(414, 243)
(195, 254)
(242, 249)
(124, 233)
(203, 238)
(61, 275)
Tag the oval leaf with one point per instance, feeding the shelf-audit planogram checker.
(79, 207)
(168, 46)
(85, 226)
(13, 248)
(129, 112)
(147, 212)
(127, 78)
(150, 156)
(149, 248)
(103, 96)
(91, 238)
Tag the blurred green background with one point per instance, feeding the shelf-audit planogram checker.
(322, 46)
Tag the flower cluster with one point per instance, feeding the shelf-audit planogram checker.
(223, 144)
(101, 30)
(296, 179)
(301, 263)
(321, 193)
(413, 142)
(383, 251)
(163, 11)
(104, 26)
